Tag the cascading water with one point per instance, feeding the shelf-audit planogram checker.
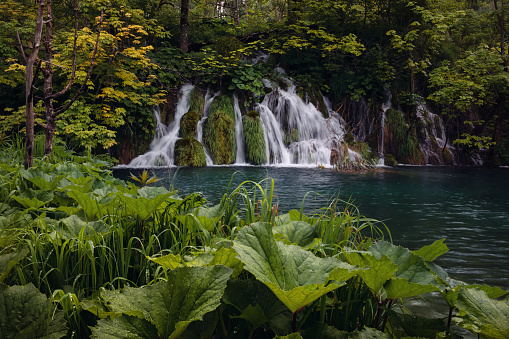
(295, 131)
(199, 129)
(289, 120)
(162, 148)
(385, 106)
(240, 157)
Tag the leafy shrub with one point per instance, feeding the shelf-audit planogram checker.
(189, 152)
(219, 137)
(188, 124)
(255, 140)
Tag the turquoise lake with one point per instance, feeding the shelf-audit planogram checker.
(467, 206)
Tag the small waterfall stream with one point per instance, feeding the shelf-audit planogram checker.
(239, 133)
(161, 152)
(385, 107)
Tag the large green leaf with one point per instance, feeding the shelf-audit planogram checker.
(433, 251)
(413, 276)
(141, 206)
(27, 313)
(187, 296)
(379, 271)
(90, 204)
(9, 260)
(223, 256)
(73, 227)
(297, 232)
(258, 305)
(41, 179)
(481, 314)
(125, 326)
(296, 276)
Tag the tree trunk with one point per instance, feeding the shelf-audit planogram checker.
(29, 85)
(184, 25)
(48, 83)
(237, 14)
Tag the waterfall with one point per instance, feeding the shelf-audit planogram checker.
(239, 133)
(199, 129)
(295, 131)
(161, 152)
(385, 107)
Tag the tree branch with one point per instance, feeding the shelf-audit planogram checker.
(22, 50)
(62, 109)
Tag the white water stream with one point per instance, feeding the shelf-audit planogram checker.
(295, 131)
(162, 148)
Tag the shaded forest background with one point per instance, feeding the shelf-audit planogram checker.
(451, 55)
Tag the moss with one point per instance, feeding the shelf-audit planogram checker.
(189, 152)
(188, 125)
(255, 140)
(197, 101)
(253, 114)
(349, 138)
(403, 140)
(390, 160)
(447, 156)
(438, 126)
(223, 103)
(219, 137)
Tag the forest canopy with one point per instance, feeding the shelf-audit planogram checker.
(109, 62)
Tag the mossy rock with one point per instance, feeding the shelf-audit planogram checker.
(390, 160)
(219, 138)
(189, 152)
(349, 139)
(253, 114)
(447, 157)
(222, 103)
(197, 101)
(255, 140)
(188, 124)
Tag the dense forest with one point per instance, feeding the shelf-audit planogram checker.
(87, 74)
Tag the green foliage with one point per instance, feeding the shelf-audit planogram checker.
(188, 124)
(27, 313)
(406, 145)
(196, 102)
(219, 134)
(189, 152)
(255, 139)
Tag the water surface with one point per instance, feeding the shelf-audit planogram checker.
(467, 206)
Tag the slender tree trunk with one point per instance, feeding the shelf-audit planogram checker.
(246, 10)
(237, 12)
(48, 83)
(29, 85)
(184, 25)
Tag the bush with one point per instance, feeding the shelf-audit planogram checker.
(255, 140)
(189, 152)
(219, 137)
(188, 125)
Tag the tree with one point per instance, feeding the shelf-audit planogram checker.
(30, 62)
(47, 69)
(184, 25)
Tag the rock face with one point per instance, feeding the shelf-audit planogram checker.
(189, 152)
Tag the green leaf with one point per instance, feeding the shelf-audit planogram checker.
(9, 260)
(258, 305)
(296, 276)
(413, 276)
(480, 314)
(224, 256)
(379, 272)
(141, 206)
(297, 232)
(187, 296)
(27, 313)
(433, 251)
(125, 326)
(73, 227)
